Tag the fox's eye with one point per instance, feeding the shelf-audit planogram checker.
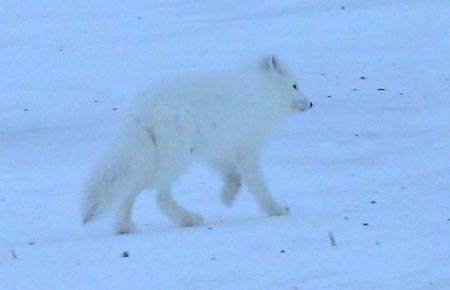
(294, 86)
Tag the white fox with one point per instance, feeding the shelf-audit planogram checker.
(223, 120)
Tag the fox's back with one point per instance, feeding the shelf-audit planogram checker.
(218, 113)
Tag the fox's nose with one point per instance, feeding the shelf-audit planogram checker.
(310, 105)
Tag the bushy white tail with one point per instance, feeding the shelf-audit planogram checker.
(103, 188)
(125, 169)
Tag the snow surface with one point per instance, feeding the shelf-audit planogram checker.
(368, 166)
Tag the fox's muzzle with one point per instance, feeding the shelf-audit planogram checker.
(302, 105)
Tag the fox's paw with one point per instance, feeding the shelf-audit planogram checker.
(125, 228)
(191, 220)
(277, 210)
(228, 197)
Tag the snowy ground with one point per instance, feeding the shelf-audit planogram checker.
(369, 164)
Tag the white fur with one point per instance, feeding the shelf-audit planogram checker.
(223, 120)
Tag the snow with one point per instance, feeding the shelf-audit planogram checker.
(369, 165)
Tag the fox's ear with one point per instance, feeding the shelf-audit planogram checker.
(271, 62)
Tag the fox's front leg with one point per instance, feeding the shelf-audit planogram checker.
(252, 175)
(231, 183)
(231, 186)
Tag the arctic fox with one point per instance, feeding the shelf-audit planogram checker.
(223, 120)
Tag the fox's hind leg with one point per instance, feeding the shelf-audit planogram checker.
(124, 225)
(176, 212)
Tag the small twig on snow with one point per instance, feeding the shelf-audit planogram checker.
(332, 240)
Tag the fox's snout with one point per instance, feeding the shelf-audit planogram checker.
(302, 105)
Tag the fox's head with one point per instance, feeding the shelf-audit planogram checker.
(284, 89)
